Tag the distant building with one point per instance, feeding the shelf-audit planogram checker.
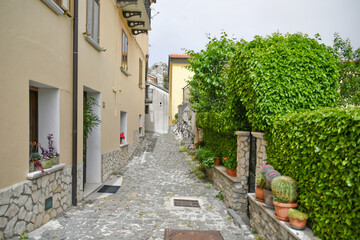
(178, 76)
(156, 107)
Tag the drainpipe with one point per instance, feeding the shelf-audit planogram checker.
(75, 104)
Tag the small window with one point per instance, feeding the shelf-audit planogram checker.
(93, 17)
(124, 53)
(146, 109)
(140, 72)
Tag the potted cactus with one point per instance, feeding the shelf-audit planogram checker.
(285, 196)
(297, 219)
(259, 191)
(269, 174)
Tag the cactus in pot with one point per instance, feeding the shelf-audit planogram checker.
(259, 191)
(285, 195)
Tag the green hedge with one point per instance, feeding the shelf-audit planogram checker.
(281, 74)
(321, 150)
(222, 144)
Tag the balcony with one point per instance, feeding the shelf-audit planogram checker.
(137, 14)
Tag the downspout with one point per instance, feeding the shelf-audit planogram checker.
(75, 105)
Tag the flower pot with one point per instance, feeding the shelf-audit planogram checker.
(231, 172)
(55, 160)
(297, 224)
(282, 210)
(268, 198)
(259, 192)
(217, 161)
(31, 167)
(46, 163)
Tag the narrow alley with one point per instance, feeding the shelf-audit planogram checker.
(143, 206)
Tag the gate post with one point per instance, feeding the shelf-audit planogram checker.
(243, 155)
(261, 157)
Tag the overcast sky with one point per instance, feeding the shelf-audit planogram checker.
(185, 23)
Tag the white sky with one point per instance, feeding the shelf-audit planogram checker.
(185, 23)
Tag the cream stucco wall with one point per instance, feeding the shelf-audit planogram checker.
(36, 45)
(29, 52)
(178, 76)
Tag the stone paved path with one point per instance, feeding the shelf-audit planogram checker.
(142, 208)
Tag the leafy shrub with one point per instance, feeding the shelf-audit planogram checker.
(230, 163)
(293, 213)
(200, 144)
(281, 74)
(206, 157)
(320, 150)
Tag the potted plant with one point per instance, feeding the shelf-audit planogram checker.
(50, 156)
(297, 219)
(259, 191)
(230, 164)
(122, 137)
(140, 129)
(217, 161)
(35, 157)
(285, 196)
(269, 174)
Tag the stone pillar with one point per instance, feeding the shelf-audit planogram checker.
(243, 155)
(261, 145)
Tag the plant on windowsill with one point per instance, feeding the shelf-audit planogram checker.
(285, 196)
(122, 137)
(50, 156)
(230, 164)
(140, 130)
(35, 157)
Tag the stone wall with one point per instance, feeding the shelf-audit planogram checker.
(113, 161)
(261, 157)
(269, 227)
(232, 188)
(184, 129)
(22, 206)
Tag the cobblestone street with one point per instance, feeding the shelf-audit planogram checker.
(143, 206)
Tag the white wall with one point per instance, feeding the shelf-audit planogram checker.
(157, 119)
(49, 116)
(93, 151)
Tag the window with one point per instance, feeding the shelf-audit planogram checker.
(124, 54)
(33, 109)
(61, 7)
(123, 127)
(147, 111)
(140, 72)
(93, 17)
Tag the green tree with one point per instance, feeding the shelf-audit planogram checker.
(210, 67)
(349, 70)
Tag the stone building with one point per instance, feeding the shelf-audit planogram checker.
(54, 55)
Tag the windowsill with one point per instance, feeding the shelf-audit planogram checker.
(125, 72)
(53, 6)
(93, 43)
(124, 145)
(141, 86)
(38, 174)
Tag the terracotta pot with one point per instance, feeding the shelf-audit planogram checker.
(297, 224)
(231, 172)
(217, 161)
(268, 198)
(282, 210)
(259, 192)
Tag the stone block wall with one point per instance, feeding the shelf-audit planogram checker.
(22, 206)
(261, 157)
(113, 161)
(232, 188)
(269, 227)
(184, 129)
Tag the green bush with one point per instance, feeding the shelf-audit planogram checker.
(320, 150)
(281, 74)
(230, 163)
(206, 157)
